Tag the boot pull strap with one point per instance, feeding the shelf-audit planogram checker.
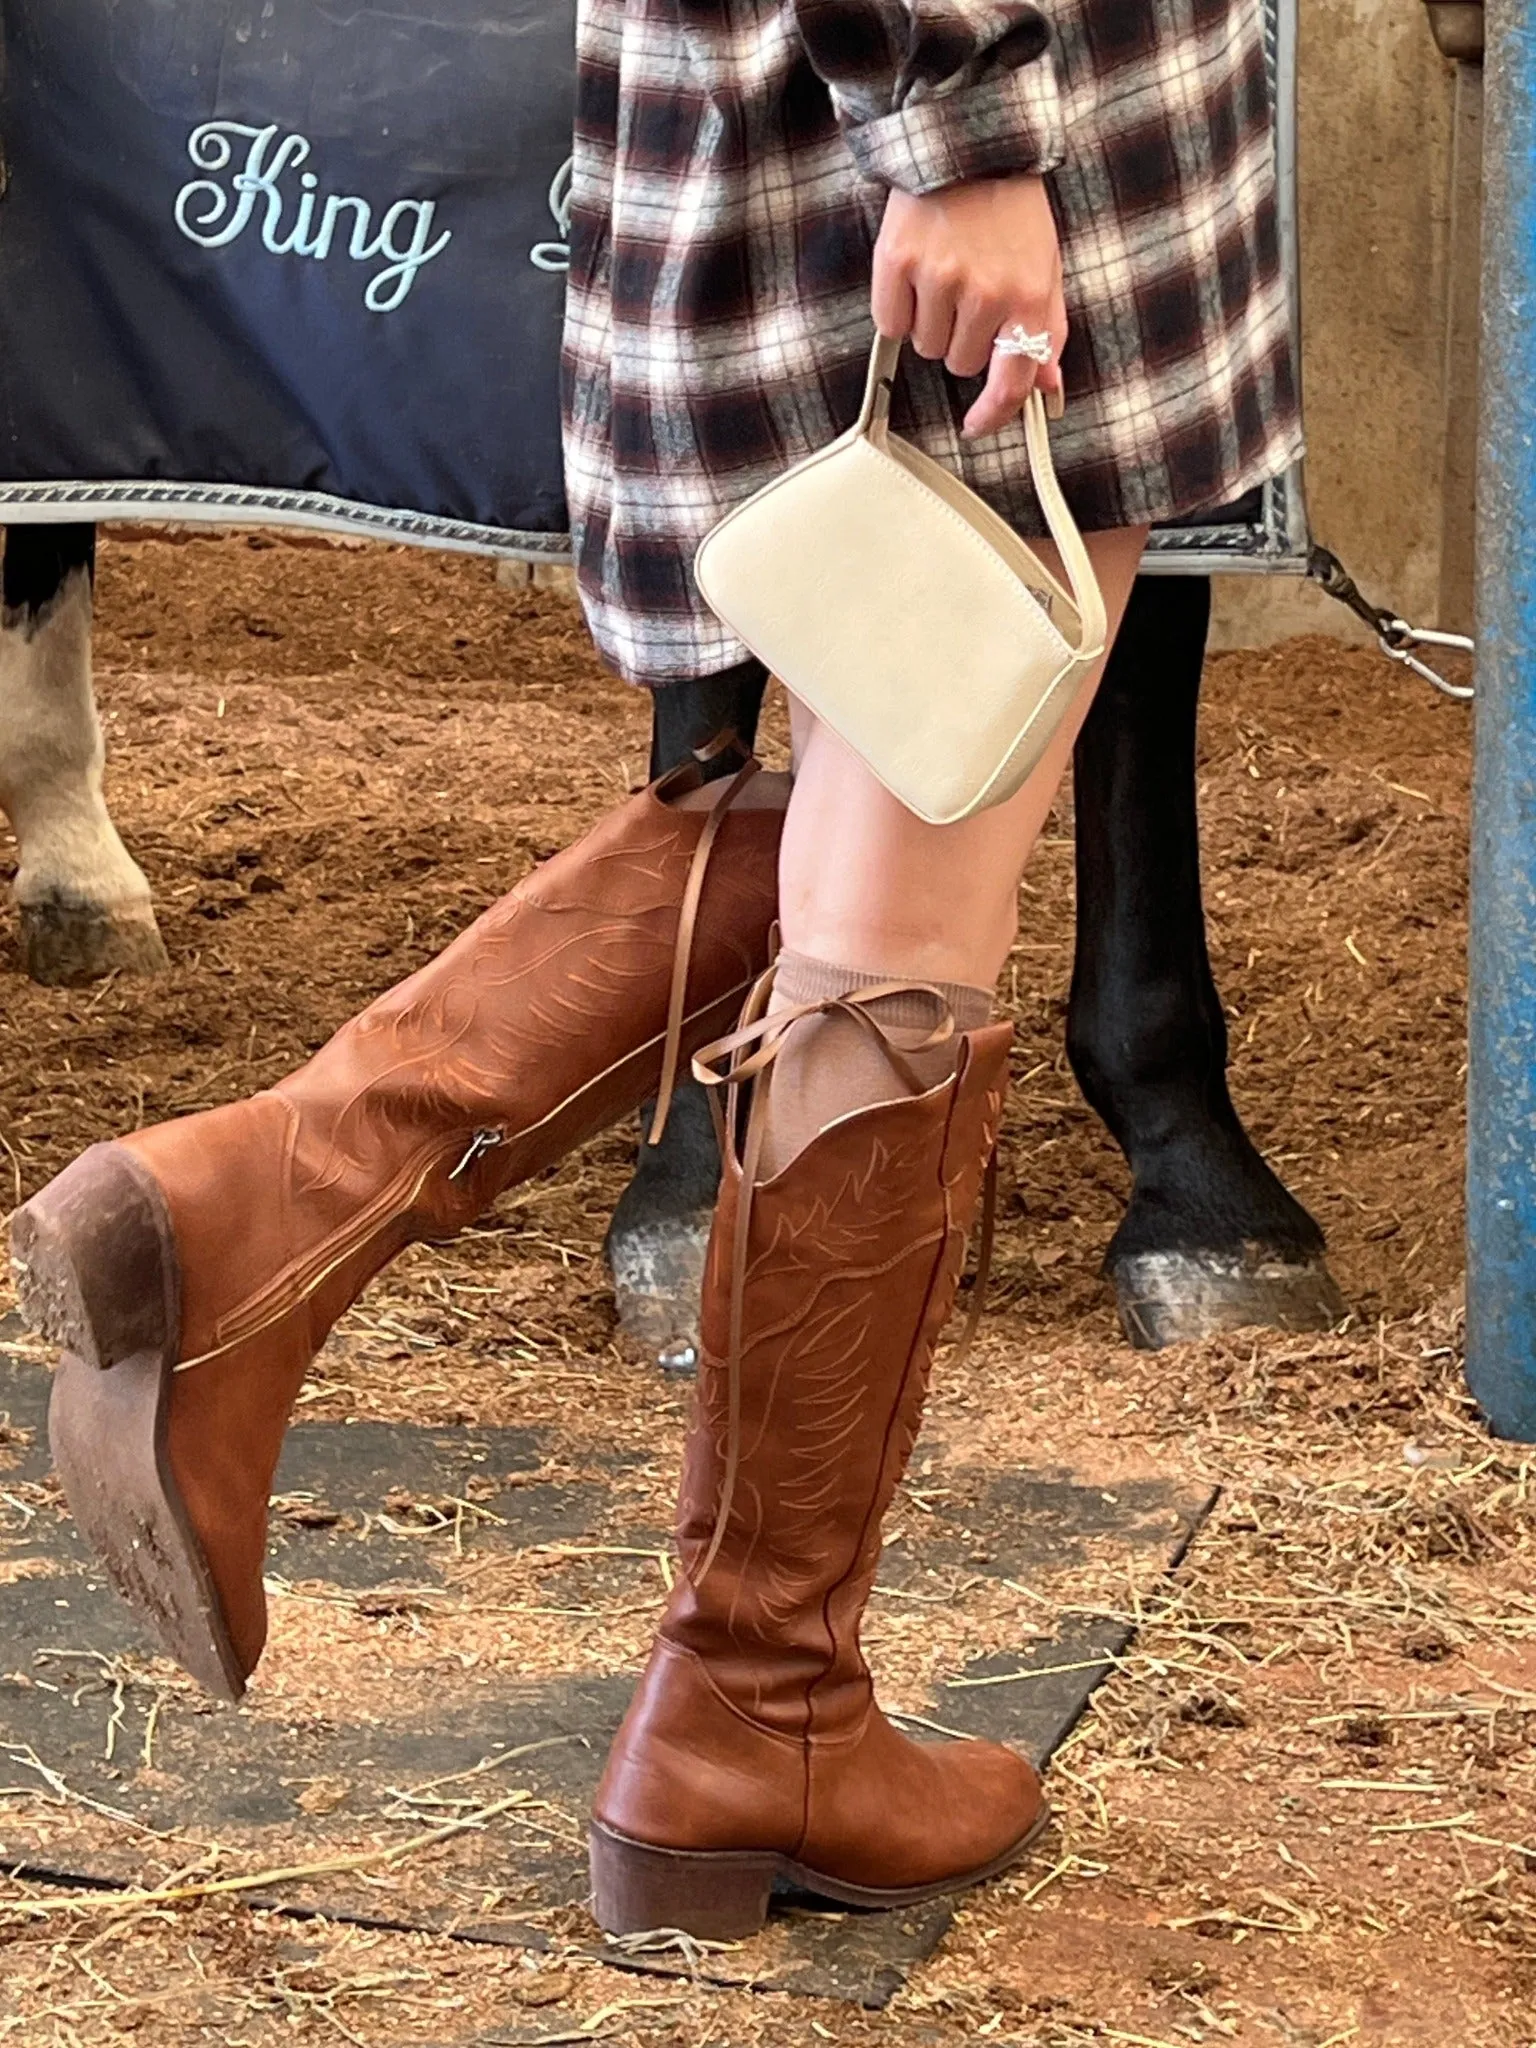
(688, 919)
(749, 1054)
(983, 1272)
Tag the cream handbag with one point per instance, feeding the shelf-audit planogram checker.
(901, 609)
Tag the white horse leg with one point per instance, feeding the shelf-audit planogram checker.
(84, 902)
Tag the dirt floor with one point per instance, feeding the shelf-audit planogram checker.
(1304, 1812)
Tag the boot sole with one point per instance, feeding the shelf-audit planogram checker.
(723, 1894)
(97, 1274)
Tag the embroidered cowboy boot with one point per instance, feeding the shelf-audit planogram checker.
(191, 1272)
(754, 1749)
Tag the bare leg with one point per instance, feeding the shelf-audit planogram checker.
(930, 902)
(869, 893)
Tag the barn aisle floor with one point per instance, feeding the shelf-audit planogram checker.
(1303, 1810)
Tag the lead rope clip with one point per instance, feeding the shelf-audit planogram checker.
(1394, 636)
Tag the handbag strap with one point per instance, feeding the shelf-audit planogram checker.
(874, 418)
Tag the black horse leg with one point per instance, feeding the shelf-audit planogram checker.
(85, 906)
(39, 561)
(1211, 1239)
(660, 1229)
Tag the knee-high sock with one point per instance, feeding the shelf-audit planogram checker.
(829, 1066)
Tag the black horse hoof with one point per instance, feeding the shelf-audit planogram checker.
(1174, 1297)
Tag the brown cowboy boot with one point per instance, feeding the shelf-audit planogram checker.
(192, 1271)
(754, 1749)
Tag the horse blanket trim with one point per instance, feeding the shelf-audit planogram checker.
(62, 504)
(1276, 544)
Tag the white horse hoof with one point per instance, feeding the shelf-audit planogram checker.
(658, 1272)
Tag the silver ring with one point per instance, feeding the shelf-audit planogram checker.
(1018, 341)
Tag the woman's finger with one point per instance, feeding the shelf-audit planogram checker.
(1009, 383)
(934, 320)
(970, 345)
(1012, 378)
(892, 299)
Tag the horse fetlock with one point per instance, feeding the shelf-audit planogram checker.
(1199, 1183)
(85, 904)
(68, 939)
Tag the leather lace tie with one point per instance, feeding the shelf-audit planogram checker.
(688, 918)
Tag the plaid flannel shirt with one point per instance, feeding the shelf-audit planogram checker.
(732, 163)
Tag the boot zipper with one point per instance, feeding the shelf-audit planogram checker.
(261, 1311)
(481, 1143)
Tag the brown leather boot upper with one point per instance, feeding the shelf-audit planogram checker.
(755, 1725)
(538, 1027)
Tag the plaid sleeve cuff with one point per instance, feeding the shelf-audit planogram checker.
(1010, 123)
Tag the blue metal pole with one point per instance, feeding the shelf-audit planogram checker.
(1501, 1084)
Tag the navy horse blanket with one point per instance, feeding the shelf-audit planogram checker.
(306, 253)
(302, 261)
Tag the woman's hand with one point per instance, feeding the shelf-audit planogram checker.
(959, 267)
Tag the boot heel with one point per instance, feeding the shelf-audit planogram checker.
(106, 1433)
(715, 1895)
(95, 1263)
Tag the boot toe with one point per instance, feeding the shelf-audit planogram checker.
(1004, 1793)
(896, 1815)
(982, 1800)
